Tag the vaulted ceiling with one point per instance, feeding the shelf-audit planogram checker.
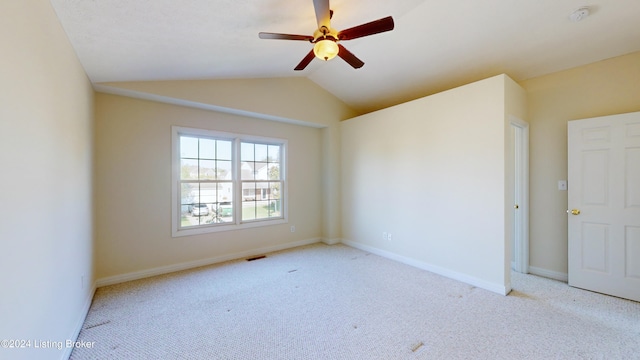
(436, 44)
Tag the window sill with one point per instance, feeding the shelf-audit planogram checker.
(230, 227)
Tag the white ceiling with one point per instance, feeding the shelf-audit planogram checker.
(436, 44)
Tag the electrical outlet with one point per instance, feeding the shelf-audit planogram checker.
(293, 228)
(389, 237)
(385, 236)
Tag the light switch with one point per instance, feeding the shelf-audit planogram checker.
(562, 185)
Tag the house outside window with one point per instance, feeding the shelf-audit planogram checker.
(224, 181)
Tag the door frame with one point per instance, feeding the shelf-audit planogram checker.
(520, 172)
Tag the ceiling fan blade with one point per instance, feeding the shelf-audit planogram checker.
(307, 59)
(276, 36)
(323, 13)
(347, 56)
(370, 28)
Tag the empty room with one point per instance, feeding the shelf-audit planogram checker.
(320, 179)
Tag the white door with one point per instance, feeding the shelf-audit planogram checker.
(604, 204)
(520, 177)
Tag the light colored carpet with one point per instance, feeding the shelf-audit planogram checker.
(337, 302)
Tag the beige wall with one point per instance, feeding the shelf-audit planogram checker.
(133, 187)
(45, 187)
(603, 88)
(295, 99)
(432, 173)
(291, 100)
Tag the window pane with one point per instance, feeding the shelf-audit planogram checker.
(261, 171)
(208, 193)
(188, 147)
(224, 212)
(189, 200)
(207, 169)
(224, 170)
(186, 219)
(275, 190)
(275, 208)
(207, 149)
(248, 210)
(187, 194)
(274, 172)
(246, 152)
(262, 209)
(246, 171)
(225, 192)
(248, 191)
(262, 191)
(224, 150)
(261, 152)
(188, 169)
(274, 153)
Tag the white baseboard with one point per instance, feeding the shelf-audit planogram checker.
(79, 322)
(564, 277)
(116, 279)
(496, 288)
(332, 241)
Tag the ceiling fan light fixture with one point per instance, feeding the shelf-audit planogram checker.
(325, 49)
(325, 38)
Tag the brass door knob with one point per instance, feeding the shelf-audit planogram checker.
(516, 206)
(575, 212)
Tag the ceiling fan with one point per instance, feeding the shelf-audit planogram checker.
(325, 38)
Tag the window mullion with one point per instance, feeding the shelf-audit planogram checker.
(237, 182)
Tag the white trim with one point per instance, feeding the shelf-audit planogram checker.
(332, 241)
(555, 275)
(198, 105)
(75, 332)
(116, 279)
(496, 288)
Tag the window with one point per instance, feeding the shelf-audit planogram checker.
(224, 181)
(261, 180)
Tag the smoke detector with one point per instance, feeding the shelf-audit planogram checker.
(579, 14)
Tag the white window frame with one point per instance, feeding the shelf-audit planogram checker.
(237, 224)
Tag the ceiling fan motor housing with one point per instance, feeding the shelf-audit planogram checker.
(325, 33)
